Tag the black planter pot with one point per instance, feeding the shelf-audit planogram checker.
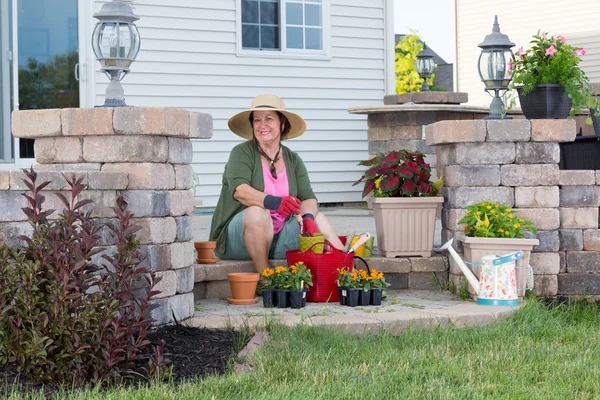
(352, 297)
(545, 102)
(582, 153)
(283, 298)
(297, 297)
(269, 297)
(364, 298)
(343, 295)
(376, 295)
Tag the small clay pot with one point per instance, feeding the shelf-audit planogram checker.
(206, 252)
(243, 287)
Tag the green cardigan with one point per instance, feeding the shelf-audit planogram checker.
(244, 166)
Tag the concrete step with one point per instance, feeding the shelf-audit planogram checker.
(402, 273)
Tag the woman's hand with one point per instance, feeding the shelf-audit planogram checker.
(284, 206)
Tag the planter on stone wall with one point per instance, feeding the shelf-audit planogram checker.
(545, 102)
(475, 248)
(405, 225)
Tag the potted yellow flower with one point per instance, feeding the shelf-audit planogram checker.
(401, 186)
(495, 229)
(300, 280)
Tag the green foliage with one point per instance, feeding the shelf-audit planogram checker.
(494, 220)
(550, 60)
(407, 78)
(295, 277)
(65, 319)
(400, 173)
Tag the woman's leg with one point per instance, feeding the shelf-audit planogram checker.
(258, 236)
(324, 226)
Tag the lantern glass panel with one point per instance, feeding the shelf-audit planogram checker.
(493, 65)
(425, 65)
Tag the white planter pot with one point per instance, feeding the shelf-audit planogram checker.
(405, 225)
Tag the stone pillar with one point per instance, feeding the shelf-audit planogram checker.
(513, 162)
(143, 154)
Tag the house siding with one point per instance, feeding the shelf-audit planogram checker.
(520, 20)
(188, 60)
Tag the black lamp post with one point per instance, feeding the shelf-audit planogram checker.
(116, 43)
(493, 62)
(425, 66)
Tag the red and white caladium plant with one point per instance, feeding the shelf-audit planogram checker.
(400, 173)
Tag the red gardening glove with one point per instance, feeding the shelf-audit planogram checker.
(289, 205)
(309, 226)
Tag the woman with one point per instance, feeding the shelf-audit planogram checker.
(265, 185)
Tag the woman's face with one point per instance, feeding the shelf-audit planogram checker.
(267, 127)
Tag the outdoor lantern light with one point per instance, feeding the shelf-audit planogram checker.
(116, 42)
(495, 55)
(425, 66)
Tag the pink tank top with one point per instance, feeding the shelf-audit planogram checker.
(276, 187)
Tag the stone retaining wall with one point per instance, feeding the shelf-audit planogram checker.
(143, 154)
(515, 162)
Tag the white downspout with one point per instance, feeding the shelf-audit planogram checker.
(390, 52)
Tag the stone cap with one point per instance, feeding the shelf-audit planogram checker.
(100, 121)
(427, 97)
(417, 107)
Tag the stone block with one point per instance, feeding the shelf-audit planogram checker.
(390, 265)
(579, 217)
(583, 262)
(10, 232)
(201, 125)
(182, 202)
(183, 176)
(151, 121)
(185, 280)
(580, 196)
(549, 241)
(577, 178)
(537, 197)
(451, 216)
(103, 203)
(200, 274)
(428, 264)
(218, 290)
(426, 280)
(57, 181)
(12, 202)
(146, 175)
(134, 148)
(578, 284)
(397, 281)
(58, 150)
(571, 239)
(553, 130)
(167, 284)
(471, 175)
(597, 177)
(157, 256)
(456, 131)
(386, 146)
(414, 132)
(156, 230)
(591, 239)
(87, 121)
(74, 167)
(478, 153)
(4, 180)
(161, 313)
(461, 197)
(545, 219)
(185, 230)
(537, 153)
(545, 263)
(107, 180)
(397, 118)
(148, 203)
(182, 306)
(180, 151)
(530, 175)
(545, 285)
(31, 124)
(98, 258)
(563, 262)
(508, 130)
(183, 254)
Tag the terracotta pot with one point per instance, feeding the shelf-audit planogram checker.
(243, 287)
(206, 252)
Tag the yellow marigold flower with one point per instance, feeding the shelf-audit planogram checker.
(378, 181)
(507, 209)
(521, 220)
(280, 269)
(496, 205)
(489, 207)
(486, 221)
(517, 226)
(478, 212)
(342, 271)
(507, 233)
(510, 216)
(493, 212)
(299, 263)
(268, 272)
(500, 230)
(293, 269)
(502, 214)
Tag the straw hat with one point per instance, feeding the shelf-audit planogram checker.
(240, 124)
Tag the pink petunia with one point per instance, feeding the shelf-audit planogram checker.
(561, 37)
(582, 51)
(510, 66)
(520, 52)
(550, 51)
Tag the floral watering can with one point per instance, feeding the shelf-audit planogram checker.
(497, 285)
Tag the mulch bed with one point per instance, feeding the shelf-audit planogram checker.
(193, 352)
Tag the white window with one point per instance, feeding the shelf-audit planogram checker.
(275, 28)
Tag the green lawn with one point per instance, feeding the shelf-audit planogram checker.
(540, 353)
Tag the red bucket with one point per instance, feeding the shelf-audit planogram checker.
(323, 268)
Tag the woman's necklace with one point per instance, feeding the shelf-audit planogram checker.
(272, 161)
